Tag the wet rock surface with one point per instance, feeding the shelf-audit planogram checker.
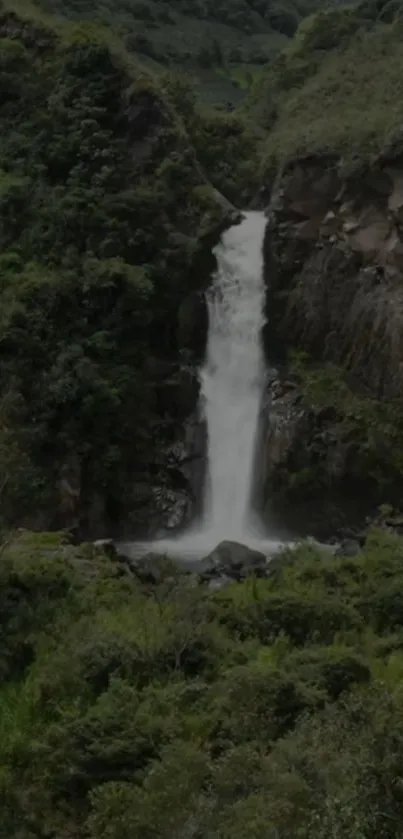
(165, 496)
(233, 561)
(228, 562)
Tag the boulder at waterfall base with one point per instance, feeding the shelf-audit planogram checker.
(232, 560)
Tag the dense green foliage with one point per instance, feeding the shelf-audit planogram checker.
(341, 62)
(222, 44)
(105, 196)
(272, 708)
(104, 199)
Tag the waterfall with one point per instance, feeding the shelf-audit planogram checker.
(232, 378)
(232, 384)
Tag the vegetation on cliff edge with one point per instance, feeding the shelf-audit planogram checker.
(222, 45)
(335, 89)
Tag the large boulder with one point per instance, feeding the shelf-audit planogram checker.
(234, 561)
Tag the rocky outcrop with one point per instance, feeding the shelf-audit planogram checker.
(334, 262)
(316, 475)
(228, 562)
(232, 561)
(334, 270)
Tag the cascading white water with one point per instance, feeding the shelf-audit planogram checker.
(232, 378)
(232, 381)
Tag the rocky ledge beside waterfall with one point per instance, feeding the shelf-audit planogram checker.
(334, 267)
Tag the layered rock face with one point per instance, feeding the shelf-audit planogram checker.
(334, 256)
(334, 263)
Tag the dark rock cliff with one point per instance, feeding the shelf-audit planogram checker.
(334, 265)
(335, 260)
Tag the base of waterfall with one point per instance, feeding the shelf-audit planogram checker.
(228, 561)
(197, 546)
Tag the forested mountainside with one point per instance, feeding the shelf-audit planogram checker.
(222, 45)
(137, 700)
(106, 200)
(342, 63)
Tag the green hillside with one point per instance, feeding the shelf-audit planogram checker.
(222, 45)
(272, 709)
(336, 88)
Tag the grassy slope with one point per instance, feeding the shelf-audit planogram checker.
(351, 106)
(336, 88)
